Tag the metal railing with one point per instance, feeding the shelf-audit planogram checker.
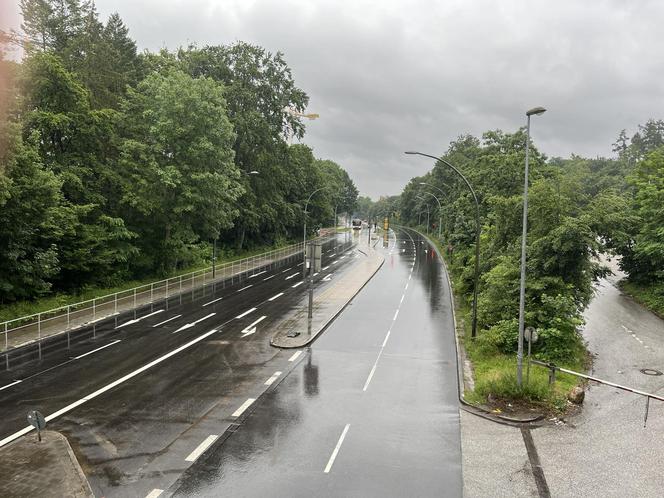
(36, 327)
(553, 368)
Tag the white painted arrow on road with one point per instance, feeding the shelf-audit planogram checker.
(327, 278)
(131, 322)
(189, 325)
(251, 329)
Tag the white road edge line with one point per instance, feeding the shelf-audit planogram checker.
(275, 297)
(107, 387)
(95, 350)
(396, 314)
(299, 283)
(154, 493)
(271, 380)
(166, 321)
(246, 313)
(213, 301)
(10, 385)
(201, 448)
(242, 408)
(334, 454)
(259, 273)
(295, 356)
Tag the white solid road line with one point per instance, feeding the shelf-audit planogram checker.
(268, 278)
(130, 322)
(154, 493)
(334, 454)
(10, 385)
(271, 380)
(244, 406)
(299, 283)
(189, 325)
(95, 350)
(293, 275)
(166, 321)
(246, 313)
(213, 301)
(402, 296)
(244, 288)
(275, 297)
(396, 314)
(295, 356)
(256, 322)
(201, 448)
(108, 387)
(259, 273)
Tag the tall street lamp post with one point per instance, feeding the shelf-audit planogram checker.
(477, 232)
(422, 198)
(440, 209)
(522, 287)
(440, 217)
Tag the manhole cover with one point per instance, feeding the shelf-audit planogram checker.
(650, 371)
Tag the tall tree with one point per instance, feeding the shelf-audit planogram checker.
(177, 161)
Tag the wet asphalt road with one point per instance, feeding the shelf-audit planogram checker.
(140, 412)
(370, 410)
(129, 424)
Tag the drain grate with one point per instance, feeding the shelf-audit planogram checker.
(650, 371)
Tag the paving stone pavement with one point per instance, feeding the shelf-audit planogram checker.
(48, 468)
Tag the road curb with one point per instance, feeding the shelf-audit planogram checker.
(460, 353)
(326, 323)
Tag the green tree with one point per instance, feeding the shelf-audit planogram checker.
(177, 162)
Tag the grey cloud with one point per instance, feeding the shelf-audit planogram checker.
(394, 75)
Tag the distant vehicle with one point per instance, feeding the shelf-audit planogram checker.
(357, 224)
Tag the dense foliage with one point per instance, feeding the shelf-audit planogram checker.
(118, 165)
(578, 209)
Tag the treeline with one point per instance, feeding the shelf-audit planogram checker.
(118, 165)
(578, 209)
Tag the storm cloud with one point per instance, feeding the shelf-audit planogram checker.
(388, 76)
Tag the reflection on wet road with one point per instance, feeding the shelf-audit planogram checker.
(370, 409)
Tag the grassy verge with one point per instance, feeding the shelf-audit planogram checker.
(650, 296)
(24, 308)
(495, 372)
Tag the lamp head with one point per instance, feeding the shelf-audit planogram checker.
(536, 111)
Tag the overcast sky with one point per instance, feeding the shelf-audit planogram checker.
(388, 76)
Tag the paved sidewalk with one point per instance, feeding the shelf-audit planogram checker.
(327, 304)
(30, 468)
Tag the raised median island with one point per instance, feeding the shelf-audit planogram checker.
(296, 330)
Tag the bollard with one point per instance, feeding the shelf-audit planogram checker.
(552, 374)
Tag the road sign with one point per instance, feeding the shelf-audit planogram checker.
(37, 420)
(530, 332)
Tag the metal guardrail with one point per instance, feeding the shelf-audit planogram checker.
(552, 378)
(36, 327)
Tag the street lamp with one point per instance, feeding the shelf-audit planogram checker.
(420, 197)
(477, 233)
(522, 287)
(440, 209)
(304, 238)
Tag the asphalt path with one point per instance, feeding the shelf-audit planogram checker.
(371, 408)
(140, 394)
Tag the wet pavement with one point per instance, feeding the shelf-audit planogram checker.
(137, 398)
(370, 409)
